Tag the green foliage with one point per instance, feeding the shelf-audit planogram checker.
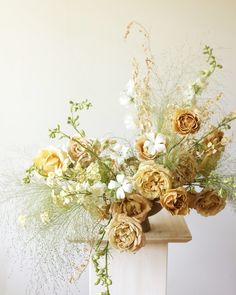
(102, 251)
(73, 118)
(53, 132)
(225, 186)
(29, 173)
(211, 59)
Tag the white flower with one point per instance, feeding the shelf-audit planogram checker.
(122, 185)
(125, 100)
(128, 96)
(129, 122)
(155, 144)
(97, 189)
(82, 187)
(121, 153)
(130, 88)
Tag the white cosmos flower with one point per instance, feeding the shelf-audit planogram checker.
(122, 185)
(155, 143)
(121, 153)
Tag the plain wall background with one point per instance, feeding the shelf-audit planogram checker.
(52, 50)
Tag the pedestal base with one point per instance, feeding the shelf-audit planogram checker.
(143, 273)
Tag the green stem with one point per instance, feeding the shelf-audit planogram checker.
(106, 265)
(175, 145)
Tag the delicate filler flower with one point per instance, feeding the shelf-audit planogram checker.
(150, 146)
(122, 185)
(152, 180)
(97, 189)
(134, 205)
(175, 201)
(130, 122)
(125, 233)
(208, 203)
(120, 153)
(186, 121)
(49, 160)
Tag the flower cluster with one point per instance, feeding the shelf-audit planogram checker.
(171, 164)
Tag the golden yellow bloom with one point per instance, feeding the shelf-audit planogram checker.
(186, 169)
(152, 180)
(142, 151)
(186, 122)
(49, 160)
(175, 201)
(212, 147)
(134, 205)
(208, 203)
(125, 233)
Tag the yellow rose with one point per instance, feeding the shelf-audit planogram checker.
(125, 233)
(152, 180)
(186, 169)
(134, 205)
(175, 201)
(49, 160)
(208, 203)
(186, 122)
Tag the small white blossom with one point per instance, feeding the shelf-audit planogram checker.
(130, 88)
(120, 153)
(82, 187)
(97, 189)
(50, 181)
(155, 143)
(125, 100)
(129, 122)
(122, 185)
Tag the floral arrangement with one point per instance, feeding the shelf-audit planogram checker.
(101, 192)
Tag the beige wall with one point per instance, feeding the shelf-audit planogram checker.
(52, 50)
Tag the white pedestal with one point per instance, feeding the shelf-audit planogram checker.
(145, 273)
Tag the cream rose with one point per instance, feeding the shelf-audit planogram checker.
(134, 205)
(77, 150)
(208, 203)
(142, 151)
(186, 122)
(125, 233)
(175, 201)
(152, 180)
(49, 160)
